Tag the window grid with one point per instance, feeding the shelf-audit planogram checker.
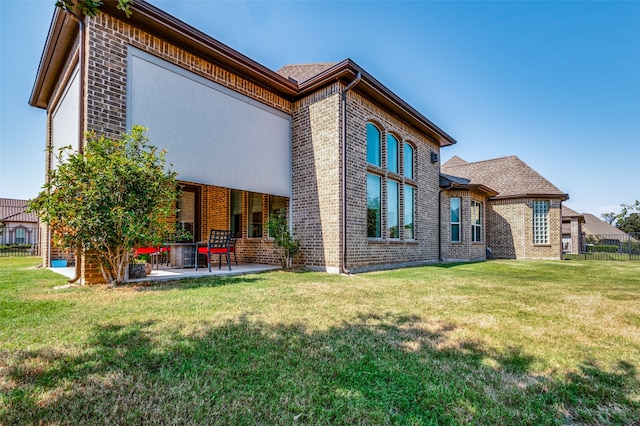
(454, 204)
(476, 221)
(540, 222)
(397, 194)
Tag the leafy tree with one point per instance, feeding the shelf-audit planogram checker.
(628, 220)
(610, 217)
(91, 7)
(109, 200)
(630, 223)
(282, 238)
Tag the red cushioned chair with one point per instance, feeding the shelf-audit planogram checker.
(151, 251)
(219, 243)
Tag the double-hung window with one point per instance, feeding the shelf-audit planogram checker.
(454, 204)
(540, 221)
(476, 221)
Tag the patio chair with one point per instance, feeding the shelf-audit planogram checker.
(219, 243)
(232, 247)
(152, 252)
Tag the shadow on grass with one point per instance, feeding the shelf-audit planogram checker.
(191, 283)
(376, 369)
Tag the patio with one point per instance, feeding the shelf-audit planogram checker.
(165, 273)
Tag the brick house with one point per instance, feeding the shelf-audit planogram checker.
(17, 225)
(349, 159)
(523, 217)
(355, 166)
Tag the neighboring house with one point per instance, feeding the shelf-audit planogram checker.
(18, 226)
(354, 164)
(517, 214)
(593, 230)
(572, 233)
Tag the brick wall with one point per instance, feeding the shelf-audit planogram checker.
(465, 249)
(510, 230)
(316, 178)
(364, 253)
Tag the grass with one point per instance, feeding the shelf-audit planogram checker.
(495, 343)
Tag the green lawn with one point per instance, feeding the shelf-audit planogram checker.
(495, 343)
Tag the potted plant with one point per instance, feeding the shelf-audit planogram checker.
(138, 269)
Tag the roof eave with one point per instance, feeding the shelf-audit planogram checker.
(347, 70)
(157, 22)
(148, 18)
(60, 39)
(562, 197)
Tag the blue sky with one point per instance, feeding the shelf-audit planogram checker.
(555, 83)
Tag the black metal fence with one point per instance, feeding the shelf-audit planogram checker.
(608, 247)
(19, 250)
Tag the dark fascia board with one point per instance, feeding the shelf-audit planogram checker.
(347, 70)
(63, 33)
(159, 23)
(60, 39)
(562, 197)
(476, 187)
(147, 17)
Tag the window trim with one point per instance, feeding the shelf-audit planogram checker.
(250, 222)
(540, 219)
(475, 227)
(379, 210)
(397, 205)
(379, 143)
(413, 212)
(451, 221)
(406, 144)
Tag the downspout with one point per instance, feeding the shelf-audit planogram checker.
(343, 186)
(81, 55)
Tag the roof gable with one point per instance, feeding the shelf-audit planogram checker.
(303, 72)
(510, 176)
(598, 226)
(310, 78)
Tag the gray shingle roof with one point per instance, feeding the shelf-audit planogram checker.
(595, 226)
(303, 72)
(510, 176)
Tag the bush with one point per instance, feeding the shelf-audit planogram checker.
(602, 248)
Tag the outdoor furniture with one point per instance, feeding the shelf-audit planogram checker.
(219, 243)
(152, 252)
(232, 247)
(182, 255)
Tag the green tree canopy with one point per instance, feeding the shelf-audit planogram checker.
(92, 7)
(110, 200)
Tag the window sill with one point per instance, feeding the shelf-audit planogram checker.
(542, 245)
(393, 241)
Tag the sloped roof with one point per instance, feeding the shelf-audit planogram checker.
(303, 72)
(149, 18)
(567, 212)
(456, 182)
(12, 210)
(510, 176)
(595, 226)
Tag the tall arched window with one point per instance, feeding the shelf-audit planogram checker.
(392, 153)
(408, 160)
(373, 145)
